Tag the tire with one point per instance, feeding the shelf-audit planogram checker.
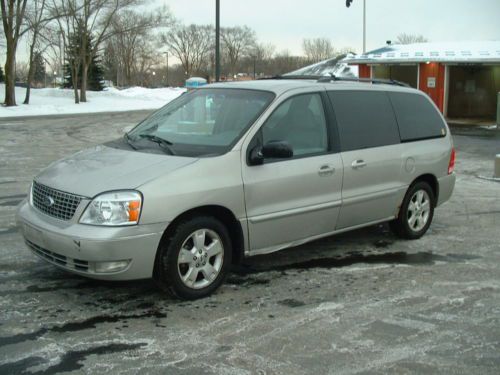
(416, 212)
(194, 259)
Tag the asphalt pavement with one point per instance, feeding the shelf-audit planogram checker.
(362, 302)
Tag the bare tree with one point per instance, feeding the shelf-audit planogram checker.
(404, 38)
(92, 19)
(65, 13)
(96, 18)
(284, 62)
(37, 17)
(191, 45)
(22, 69)
(237, 42)
(12, 19)
(261, 54)
(133, 35)
(318, 49)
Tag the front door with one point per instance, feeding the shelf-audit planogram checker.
(291, 200)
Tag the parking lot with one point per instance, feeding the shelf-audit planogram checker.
(361, 302)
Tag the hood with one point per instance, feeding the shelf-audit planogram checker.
(102, 168)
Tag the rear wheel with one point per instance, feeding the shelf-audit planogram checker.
(195, 258)
(416, 212)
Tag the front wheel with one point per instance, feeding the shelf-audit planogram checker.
(416, 212)
(195, 258)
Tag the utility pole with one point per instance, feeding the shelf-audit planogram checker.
(217, 40)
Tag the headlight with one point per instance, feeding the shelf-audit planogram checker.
(115, 208)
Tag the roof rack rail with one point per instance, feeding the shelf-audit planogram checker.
(334, 78)
(285, 76)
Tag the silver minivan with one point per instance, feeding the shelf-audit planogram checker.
(239, 169)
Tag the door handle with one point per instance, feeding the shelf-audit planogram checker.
(326, 170)
(360, 163)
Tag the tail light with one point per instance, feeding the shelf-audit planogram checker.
(451, 165)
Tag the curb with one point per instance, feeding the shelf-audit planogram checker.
(63, 115)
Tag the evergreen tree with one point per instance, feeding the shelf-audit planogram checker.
(39, 62)
(1, 75)
(95, 74)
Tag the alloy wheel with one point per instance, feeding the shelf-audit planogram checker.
(419, 210)
(200, 259)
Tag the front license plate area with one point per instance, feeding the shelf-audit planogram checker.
(33, 235)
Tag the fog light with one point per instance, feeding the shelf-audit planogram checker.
(107, 267)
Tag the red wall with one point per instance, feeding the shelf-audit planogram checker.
(436, 93)
(364, 71)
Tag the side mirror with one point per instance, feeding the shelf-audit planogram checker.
(277, 150)
(271, 150)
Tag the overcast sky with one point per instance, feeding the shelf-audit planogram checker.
(285, 23)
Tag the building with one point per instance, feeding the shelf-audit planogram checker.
(462, 78)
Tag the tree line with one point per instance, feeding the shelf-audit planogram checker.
(129, 43)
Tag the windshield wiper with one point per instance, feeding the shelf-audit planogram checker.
(163, 143)
(129, 141)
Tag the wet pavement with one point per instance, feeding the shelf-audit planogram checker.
(361, 302)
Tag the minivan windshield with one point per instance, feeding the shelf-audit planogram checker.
(203, 122)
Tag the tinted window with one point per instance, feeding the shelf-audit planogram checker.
(417, 117)
(364, 119)
(301, 122)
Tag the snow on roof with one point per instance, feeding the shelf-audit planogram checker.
(196, 79)
(467, 52)
(335, 66)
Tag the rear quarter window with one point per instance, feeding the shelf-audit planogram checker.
(417, 118)
(364, 118)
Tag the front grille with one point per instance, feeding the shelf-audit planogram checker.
(54, 202)
(58, 259)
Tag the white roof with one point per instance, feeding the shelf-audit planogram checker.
(451, 52)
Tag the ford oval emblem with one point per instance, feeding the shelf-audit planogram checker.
(48, 201)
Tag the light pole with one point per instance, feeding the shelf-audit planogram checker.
(61, 52)
(348, 4)
(364, 26)
(254, 65)
(166, 53)
(117, 71)
(217, 40)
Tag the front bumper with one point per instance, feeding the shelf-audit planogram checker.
(82, 249)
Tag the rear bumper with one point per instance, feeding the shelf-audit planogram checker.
(446, 185)
(82, 249)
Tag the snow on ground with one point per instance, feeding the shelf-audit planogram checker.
(52, 101)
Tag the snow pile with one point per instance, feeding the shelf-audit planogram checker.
(52, 101)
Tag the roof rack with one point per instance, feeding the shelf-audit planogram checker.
(334, 78)
(305, 77)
